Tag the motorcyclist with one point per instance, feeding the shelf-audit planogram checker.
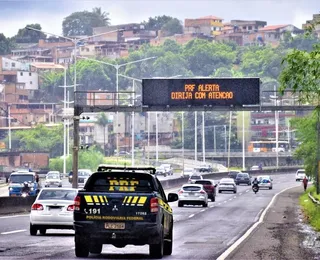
(25, 188)
(255, 183)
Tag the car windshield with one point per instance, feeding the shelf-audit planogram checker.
(53, 176)
(195, 177)
(21, 178)
(57, 194)
(83, 173)
(191, 188)
(204, 182)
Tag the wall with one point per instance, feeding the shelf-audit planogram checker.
(29, 78)
(35, 160)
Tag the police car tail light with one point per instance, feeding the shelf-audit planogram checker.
(70, 208)
(76, 203)
(37, 206)
(154, 205)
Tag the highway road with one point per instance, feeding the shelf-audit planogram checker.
(199, 233)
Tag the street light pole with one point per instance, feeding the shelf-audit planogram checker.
(203, 140)
(182, 137)
(195, 136)
(243, 145)
(229, 144)
(214, 139)
(9, 126)
(132, 138)
(157, 142)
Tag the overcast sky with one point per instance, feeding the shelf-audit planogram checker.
(16, 14)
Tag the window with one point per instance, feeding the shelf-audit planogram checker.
(13, 65)
(21, 73)
(30, 82)
(30, 74)
(250, 27)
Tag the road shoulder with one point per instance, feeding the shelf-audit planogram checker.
(278, 237)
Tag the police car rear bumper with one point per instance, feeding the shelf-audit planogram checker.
(140, 234)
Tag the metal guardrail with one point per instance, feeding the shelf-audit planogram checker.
(315, 201)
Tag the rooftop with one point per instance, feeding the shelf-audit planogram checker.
(210, 17)
(273, 27)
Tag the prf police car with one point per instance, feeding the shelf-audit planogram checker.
(122, 206)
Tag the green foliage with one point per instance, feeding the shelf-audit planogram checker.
(172, 27)
(88, 159)
(156, 23)
(6, 45)
(310, 210)
(40, 138)
(306, 134)
(82, 23)
(29, 36)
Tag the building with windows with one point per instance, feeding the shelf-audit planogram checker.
(208, 25)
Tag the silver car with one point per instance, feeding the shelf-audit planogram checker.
(83, 176)
(52, 209)
(265, 182)
(194, 177)
(227, 184)
(53, 179)
(192, 194)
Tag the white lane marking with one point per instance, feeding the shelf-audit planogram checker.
(12, 232)
(230, 199)
(202, 210)
(225, 201)
(240, 193)
(219, 204)
(192, 215)
(229, 250)
(15, 216)
(211, 206)
(235, 197)
(247, 190)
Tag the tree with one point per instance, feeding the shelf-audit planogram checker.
(301, 74)
(172, 27)
(6, 45)
(82, 23)
(29, 36)
(103, 121)
(156, 23)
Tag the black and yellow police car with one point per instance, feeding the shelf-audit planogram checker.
(123, 206)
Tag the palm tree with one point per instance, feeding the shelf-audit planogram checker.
(103, 121)
(103, 15)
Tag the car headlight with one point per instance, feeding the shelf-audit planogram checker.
(31, 189)
(10, 189)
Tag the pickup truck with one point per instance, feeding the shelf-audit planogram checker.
(122, 206)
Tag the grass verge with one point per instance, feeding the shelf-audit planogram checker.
(311, 210)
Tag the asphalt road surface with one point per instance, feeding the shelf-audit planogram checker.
(199, 233)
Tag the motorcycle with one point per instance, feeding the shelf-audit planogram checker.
(24, 194)
(255, 189)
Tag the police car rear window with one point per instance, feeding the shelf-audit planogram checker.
(120, 182)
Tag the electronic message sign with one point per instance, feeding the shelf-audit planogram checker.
(197, 92)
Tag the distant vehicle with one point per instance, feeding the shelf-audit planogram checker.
(204, 168)
(124, 153)
(52, 209)
(83, 176)
(227, 184)
(255, 168)
(187, 172)
(265, 182)
(53, 178)
(161, 171)
(192, 194)
(195, 177)
(16, 183)
(243, 178)
(300, 174)
(280, 149)
(210, 188)
(233, 174)
(168, 168)
(267, 146)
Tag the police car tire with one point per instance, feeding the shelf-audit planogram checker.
(43, 231)
(81, 247)
(96, 248)
(167, 248)
(156, 250)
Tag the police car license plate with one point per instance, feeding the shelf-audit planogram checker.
(119, 225)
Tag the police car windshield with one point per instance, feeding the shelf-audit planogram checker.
(21, 178)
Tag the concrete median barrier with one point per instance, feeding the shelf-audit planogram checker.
(12, 205)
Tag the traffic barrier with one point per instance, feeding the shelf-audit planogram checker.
(11, 205)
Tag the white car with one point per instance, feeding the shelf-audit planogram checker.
(192, 194)
(53, 179)
(300, 174)
(227, 184)
(265, 182)
(52, 209)
(194, 177)
(187, 172)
